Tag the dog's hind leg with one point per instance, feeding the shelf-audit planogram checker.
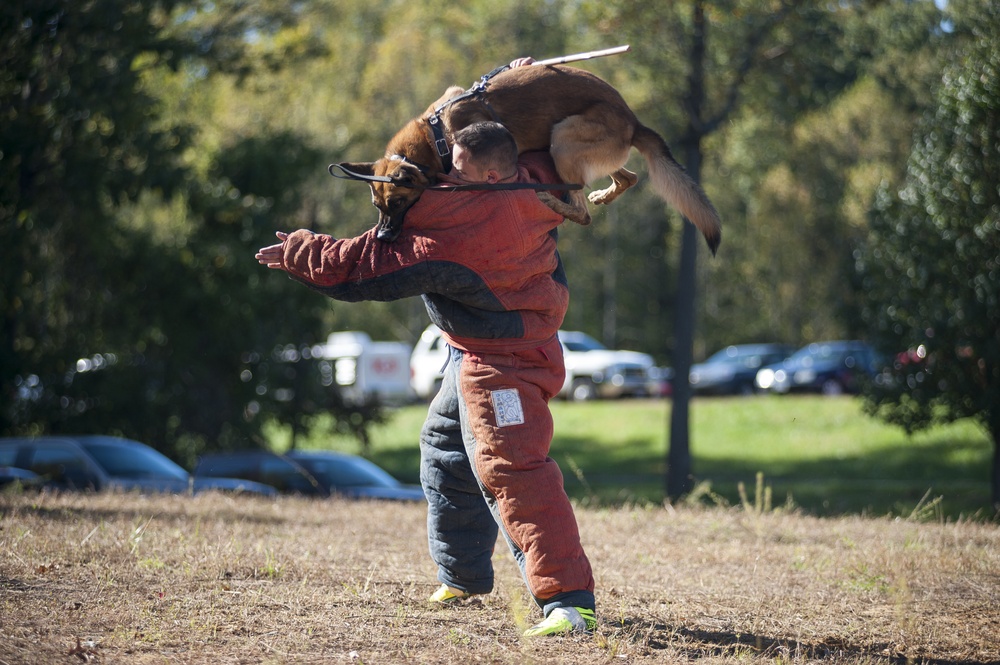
(591, 145)
(621, 180)
(575, 210)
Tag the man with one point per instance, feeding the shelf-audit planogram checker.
(486, 265)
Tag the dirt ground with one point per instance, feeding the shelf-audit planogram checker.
(221, 579)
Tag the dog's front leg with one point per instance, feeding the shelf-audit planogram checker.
(575, 210)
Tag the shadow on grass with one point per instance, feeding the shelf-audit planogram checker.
(893, 480)
(699, 644)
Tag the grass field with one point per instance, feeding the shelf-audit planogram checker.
(823, 454)
(219, 579)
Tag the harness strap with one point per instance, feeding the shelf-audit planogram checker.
(437, 127)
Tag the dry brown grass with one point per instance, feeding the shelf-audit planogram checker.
(219, 579)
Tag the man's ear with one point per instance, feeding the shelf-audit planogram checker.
(362, 168)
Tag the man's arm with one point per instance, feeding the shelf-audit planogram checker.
(351, 269)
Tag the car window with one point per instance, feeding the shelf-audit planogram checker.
(286, 476)
(8, 454)
(583, 344)
(348, 472)
(62, 466)
(229, 466)
(134, 462)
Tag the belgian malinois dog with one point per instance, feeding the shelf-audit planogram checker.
(579, 118)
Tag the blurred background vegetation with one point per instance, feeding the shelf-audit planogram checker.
(147, 149)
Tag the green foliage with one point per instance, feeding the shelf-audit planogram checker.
(931, 264)
(801, 177)
(131, 301)
(76, 140)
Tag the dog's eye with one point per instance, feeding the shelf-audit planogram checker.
(396, 204)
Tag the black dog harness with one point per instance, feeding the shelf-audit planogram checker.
(437, 127)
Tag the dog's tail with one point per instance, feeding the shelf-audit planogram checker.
(672, 183)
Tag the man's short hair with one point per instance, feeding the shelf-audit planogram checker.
(490, 145)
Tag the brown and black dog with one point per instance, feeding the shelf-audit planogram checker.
(583, 122)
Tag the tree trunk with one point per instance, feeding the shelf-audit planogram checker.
(995, 477)
(679, 467)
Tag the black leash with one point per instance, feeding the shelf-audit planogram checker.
(479, 186)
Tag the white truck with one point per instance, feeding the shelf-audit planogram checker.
(592, 371)
(368, 371)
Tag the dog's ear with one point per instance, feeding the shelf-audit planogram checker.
(362, 168)
(409, 175)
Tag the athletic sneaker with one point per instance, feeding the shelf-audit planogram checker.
(446, 595)
(564, 620)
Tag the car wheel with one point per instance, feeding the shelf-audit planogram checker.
(746, 389)
(832, 387)
(583, 390)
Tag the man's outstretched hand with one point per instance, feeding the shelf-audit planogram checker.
(270, 256)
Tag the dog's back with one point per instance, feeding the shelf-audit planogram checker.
(529, 101)
(580, 119)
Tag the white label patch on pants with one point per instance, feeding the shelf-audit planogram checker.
(507, 407)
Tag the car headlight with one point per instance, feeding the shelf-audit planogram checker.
(765, 378)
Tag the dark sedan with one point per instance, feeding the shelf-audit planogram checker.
(732, 370)
(311, 473)
(830, 368)
(98, 463)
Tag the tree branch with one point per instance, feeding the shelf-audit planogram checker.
(747, 63)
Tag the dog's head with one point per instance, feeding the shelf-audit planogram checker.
(396, 185)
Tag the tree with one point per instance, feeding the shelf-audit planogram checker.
(131, 304)
(931, 262)
(804, 174)
(719, 51)
(76, 138)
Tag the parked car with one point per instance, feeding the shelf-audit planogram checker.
(100, 463)
(831, 368)
(592, 370)
(11, 475)
(732, 370)
(311, 473)
(427, 362)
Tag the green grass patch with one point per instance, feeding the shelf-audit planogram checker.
(822, 454)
